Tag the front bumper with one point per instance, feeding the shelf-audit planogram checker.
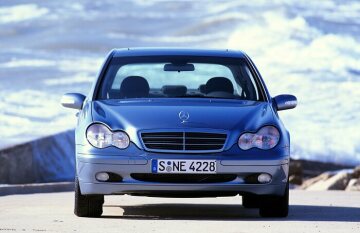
(88, 165)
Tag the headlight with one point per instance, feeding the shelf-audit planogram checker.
(100, 136)
(265, 138)
(120, 140)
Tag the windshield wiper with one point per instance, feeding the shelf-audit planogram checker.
(202, 96)
(190, 96)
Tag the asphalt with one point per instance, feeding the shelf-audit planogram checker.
(328, 211)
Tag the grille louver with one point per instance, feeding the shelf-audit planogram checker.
(184, 178)
(183, 141)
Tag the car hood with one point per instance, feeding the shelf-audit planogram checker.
(133, 116)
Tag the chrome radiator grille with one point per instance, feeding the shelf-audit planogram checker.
(184, 141)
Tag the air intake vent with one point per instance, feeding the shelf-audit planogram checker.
(184, 178)
(190, 142)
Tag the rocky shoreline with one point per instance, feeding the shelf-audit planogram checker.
(318, 176)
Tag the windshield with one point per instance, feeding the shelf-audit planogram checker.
(179, 78)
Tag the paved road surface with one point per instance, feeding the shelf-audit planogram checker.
(334, 211)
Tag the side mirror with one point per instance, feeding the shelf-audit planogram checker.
(283, 102)
(73, 100)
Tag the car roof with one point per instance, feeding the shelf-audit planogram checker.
(130, 52)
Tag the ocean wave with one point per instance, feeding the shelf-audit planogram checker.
(308, 48)
(295, 57)
(16, 63)
(21, 13)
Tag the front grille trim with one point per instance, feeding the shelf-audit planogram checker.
(184, 141)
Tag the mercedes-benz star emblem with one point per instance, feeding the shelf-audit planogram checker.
(184, 116)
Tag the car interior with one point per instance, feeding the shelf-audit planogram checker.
(138, 87)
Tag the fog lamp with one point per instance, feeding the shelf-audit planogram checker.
(102, 176)
(264, 178)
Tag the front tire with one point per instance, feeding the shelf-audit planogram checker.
(87, 205)
(250, 201)
(275, 206)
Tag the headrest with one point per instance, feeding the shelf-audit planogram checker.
(174, 90)
(134, 87)
(219, 84)
(202, 88)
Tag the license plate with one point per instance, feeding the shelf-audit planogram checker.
(183, 166)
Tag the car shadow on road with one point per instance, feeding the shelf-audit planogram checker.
(233, 212)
